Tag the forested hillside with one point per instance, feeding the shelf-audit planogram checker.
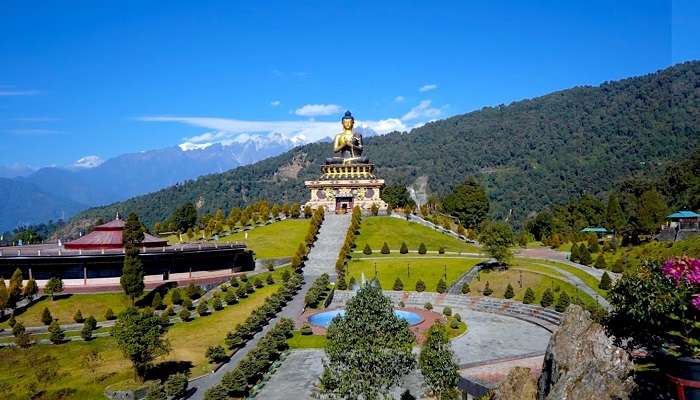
(529, 154)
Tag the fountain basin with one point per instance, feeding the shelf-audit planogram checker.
(323, 319)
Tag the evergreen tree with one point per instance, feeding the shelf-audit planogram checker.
(437, 364)
(4, 297)
(155, 392)
(341, 284)
(605, 282)
(441, 286)
(547, 298)
(385, 249)
(176, 385)
(497, 238)
(157, 302)
(600, 262)
(584, 255)
(86, 332)
(465, 288)
(619, 266)
(487, 289)
(140, 338)
(132, 274)
(53, 286)
(420, 285)
(563, 302)
(614, 216)
(574, 253)
(56, 334)
(404, 248)
(529, 296)
(368, 334)
(367, 250)
(109, 314)
(594, 247)
(31, 289)
(15, 289)
(78, 317)
(422, 249)
(234, 383)
(398, 285)
(202, 308)
(651, 212)
(509, 292)
(46, 316)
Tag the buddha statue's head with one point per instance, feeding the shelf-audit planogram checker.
(348, 121)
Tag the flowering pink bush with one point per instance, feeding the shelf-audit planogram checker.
(681, 269)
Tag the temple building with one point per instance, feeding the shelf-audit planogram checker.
(680, 225)
(347, 180)
(109, 236)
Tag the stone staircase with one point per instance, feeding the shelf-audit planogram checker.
(322, 257)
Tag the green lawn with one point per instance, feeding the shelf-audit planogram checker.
(430, 270)
(299, 341)
(499, 280)
(65, 307)
(86, 380)
(280, 239)
(453, 333)
(585, 277)
(393, 231)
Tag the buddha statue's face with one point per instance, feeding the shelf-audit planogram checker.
(348, 123)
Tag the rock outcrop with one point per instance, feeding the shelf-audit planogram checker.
(518, 385)
(583, 363)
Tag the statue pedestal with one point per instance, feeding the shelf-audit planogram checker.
(344, 186)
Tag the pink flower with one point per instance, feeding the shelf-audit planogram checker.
(693, 275)
(696, 301)
(674, 269)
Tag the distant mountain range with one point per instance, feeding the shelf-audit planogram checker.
(55, 192)
(530, 154)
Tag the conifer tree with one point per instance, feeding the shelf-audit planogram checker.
(619, 265)
(56, 334)
(605, 281)
(46, 317)
(367, 250)
(574, 253)
(547, 298)
(404, 248)
(509, 292)
(4, 297)
(600, 262)
(487, 289)
(441, 286)
(529, 296)
(422, 249)
(398, 285)
(584, 255)
(465, 288)
(78, 317)
(420, 285)
(563, 302)
(53, 286)
(385, 249)
(31, 289)
(437, 363)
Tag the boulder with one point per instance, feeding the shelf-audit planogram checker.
(582, 362)
(518, 385)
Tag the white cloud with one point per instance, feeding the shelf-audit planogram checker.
(399, 99)
(314, 110)
(427, 88)
(275, 103)
(18, 92)
(88, 162)
(422, 110)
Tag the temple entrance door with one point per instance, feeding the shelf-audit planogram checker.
(343, 205)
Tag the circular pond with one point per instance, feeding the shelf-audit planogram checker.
(323, 319)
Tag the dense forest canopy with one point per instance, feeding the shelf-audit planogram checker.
(529, 154)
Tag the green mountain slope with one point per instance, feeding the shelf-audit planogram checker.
(529, 154)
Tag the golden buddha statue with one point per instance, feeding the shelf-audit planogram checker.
(347, 143)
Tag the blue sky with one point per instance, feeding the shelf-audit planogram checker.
(110, 77)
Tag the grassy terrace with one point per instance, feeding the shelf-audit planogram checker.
(587, 278)
(499, 280)
(67, 367)
(393, 231)
(429, 269)
(64, 307)
(279, 239)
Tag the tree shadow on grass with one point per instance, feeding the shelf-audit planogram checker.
(147, 300)
(162, 370)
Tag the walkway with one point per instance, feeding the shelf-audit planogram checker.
(321, 259)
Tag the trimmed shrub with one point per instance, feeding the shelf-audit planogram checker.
(258, 283)
(605, 281)
(404, 248)
(454, 324)
(547, 298)
(249, 288)
(234, 281)
(244, 277)
(169, 311)
(78, 317)
(157, 302)
(216, 303)
(184, 314)
(563, 302)
(401, 304)
(187, 304)
(458, 317)
(422, 249)
(202, 308)
(385, 249)
(574, 253)
(306, 329)
(56, 334)
(340, 283)
(230, 297)
(270, 280)
(509, 292)
(420, 286)
(529, 296)
(441, 286)
(176, 296)
(428, 306)
(619, 265)
(600, 262)
(447, 311)
(367, 250)
(286, 275)
(109, 314)
(441, 250)
(487, 290)
(398, 285)
(46, 317)
(465, 288)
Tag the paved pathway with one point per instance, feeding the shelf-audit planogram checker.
(296, 377)
(321, 259)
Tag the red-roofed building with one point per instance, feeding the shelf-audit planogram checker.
(109, 236)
